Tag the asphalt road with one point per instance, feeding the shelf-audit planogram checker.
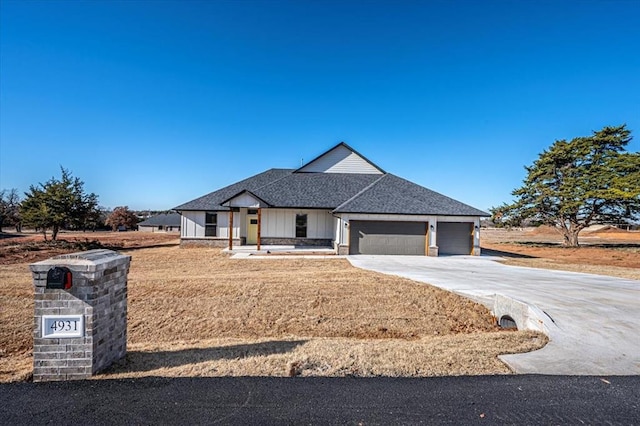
(443, 400)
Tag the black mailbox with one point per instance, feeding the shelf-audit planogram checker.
(59, 277)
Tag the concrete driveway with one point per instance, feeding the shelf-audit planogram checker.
(593, 321)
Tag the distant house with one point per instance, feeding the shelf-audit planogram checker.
(161, 223)
(339, 199)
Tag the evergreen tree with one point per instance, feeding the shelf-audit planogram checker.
(577, 183)
(58, 204)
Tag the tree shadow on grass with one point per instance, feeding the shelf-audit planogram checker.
(86, 244)
(500, 253)
(138, 361)
(5, 235)
(148, 246)
(597, 244)
(612, 245)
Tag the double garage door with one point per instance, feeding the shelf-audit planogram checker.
(407, 238)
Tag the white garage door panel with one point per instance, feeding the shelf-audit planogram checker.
(454, 237)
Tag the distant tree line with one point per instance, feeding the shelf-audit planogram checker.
(61, 204)
(10, 209)
(122, 218)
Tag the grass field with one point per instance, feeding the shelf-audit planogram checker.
(195, 312)
(603, 251)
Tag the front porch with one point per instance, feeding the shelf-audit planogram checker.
(279, 250)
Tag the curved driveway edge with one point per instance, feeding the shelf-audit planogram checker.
(593, 321)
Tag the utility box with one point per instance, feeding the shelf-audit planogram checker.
(80, 320)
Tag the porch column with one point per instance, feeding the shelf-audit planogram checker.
(259, 226)
(427, 240)
(230, 229)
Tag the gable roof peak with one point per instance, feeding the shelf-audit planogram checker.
(341, 159)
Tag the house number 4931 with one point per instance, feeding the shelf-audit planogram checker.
(62, 326)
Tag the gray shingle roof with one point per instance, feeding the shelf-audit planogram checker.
(213, 200)
(165, 219)
(314, 190)
(344, 192)
(393, 195)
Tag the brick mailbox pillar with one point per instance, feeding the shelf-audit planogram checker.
(80, 324)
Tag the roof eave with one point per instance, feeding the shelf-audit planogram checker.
(260, 200)
(336, 211)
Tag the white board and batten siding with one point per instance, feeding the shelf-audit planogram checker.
(281, 223)
(244, 200)
(340, 160)
(223, 225)
(193, 224)
(276, 223)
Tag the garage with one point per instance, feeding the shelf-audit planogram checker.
(455, 237)
(378, 237)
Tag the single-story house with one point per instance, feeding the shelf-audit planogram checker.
(166, 222)
(339, 199)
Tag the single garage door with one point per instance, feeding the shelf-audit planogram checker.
(455, 237)
(369, 237)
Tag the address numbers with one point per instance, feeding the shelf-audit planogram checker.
(62, 326)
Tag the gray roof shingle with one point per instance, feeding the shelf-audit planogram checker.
(344, 192)
(393, 195)
(165, 219)
(314, 190)
(213, 200)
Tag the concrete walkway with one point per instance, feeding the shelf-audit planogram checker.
(280, 251)
(593, 321)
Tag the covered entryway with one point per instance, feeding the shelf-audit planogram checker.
(455, 237)
(378, 237)
(252, 228)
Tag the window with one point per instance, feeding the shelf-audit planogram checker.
(301, 226)
(210, 224)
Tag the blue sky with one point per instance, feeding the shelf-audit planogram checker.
(154, 103)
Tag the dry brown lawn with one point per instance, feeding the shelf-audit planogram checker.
(195, 312)
(608, 251)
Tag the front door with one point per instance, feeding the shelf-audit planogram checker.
(252, 229)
